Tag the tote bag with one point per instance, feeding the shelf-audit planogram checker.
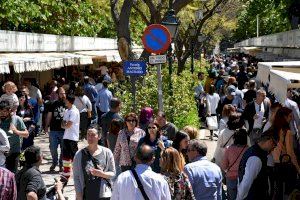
(212, 122)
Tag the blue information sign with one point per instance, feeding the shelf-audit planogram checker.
(134, 68)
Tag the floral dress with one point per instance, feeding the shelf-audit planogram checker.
(180, 187)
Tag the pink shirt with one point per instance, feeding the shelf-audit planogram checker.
(232, 157)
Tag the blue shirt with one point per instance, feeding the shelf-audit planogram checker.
(90, 92)
(103, 100)
(205, 178)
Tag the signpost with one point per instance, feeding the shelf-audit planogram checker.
(157, 39)
(134, 69)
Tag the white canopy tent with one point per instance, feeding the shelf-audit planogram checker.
(264, 69)
(27, 62)
(280, 81)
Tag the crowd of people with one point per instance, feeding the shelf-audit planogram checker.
(143, 155)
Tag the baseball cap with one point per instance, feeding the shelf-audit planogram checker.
(231, 90)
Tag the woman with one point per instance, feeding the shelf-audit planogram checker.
(231, 161)
(127, 142)
(192, 132)
(84, 105)
(180, 143)
(156, 141)
(212, 101)
(114, 129)
(285, 146)
(93, 167)
(172, 169)
(226, 136)
(228, 109)
(25, 111)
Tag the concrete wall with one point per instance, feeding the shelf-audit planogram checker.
(12, 41)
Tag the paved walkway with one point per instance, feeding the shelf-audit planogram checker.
(69, 191)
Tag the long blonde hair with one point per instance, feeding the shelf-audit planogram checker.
(171, 161)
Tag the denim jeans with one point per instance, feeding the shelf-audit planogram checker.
(55, 139)
(231, 188)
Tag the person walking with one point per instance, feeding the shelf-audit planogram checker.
(172, 169)
(141, 182)
(8, 188)
(205, 176)
(127, 142)
(102, 102)
(71, 135)
(252, 174)
(53, 120)
(93, 168)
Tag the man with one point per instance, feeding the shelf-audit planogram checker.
(35, 93)
(154, 185)
(168, 129)
(91, 93)
(230, 98)
(54, 119)
(295, 122)
(8, 188)
(15, 130)
(199, 95)
(29, 180)
(103, 100)
(93, 164)
(242, 77)
(4, 147)
(256, 113)
(252, 175)
(250, 95)
(70, 123)
(205, 176)
(106, 119)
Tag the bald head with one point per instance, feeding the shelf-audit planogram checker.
(144, 155)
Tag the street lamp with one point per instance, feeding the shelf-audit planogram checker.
(171, 22)
(201, 38)
(192, 32)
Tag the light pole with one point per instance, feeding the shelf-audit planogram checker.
(192, 33)
(201, 38)
(171, 22)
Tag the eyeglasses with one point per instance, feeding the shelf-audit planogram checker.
(130, 120)
(153, 127)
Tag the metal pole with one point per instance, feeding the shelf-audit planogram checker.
(192, 58)
(133, 86)
(160, 92)
(170, 70)
(257, 25)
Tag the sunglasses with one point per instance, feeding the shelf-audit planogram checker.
(153, 127)
(130, 120)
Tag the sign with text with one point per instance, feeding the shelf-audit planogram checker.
(157, 59)
(134, 68)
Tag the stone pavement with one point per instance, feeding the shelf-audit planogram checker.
(69, 191)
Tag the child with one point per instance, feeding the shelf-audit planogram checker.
(10, 88)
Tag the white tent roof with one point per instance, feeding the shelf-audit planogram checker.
(23, 62)
(280, 81)
(265, 67)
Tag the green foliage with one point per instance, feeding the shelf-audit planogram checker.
(273, 18)
(67, 17)
(180, 107)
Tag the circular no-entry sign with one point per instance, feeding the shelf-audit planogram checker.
(156, 39)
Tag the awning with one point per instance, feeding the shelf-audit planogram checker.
(24, 62)
(4, 67)
(265, 67)
(280, 81)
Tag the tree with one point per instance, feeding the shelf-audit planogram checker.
(151, 12)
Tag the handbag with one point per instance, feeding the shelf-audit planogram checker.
(285, 169)
(212, 122)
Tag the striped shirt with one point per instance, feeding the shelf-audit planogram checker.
(8, 188)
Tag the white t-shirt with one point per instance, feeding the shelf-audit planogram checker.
(212, 102)
(72, 115)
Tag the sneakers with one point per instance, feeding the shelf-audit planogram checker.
(52, 168)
